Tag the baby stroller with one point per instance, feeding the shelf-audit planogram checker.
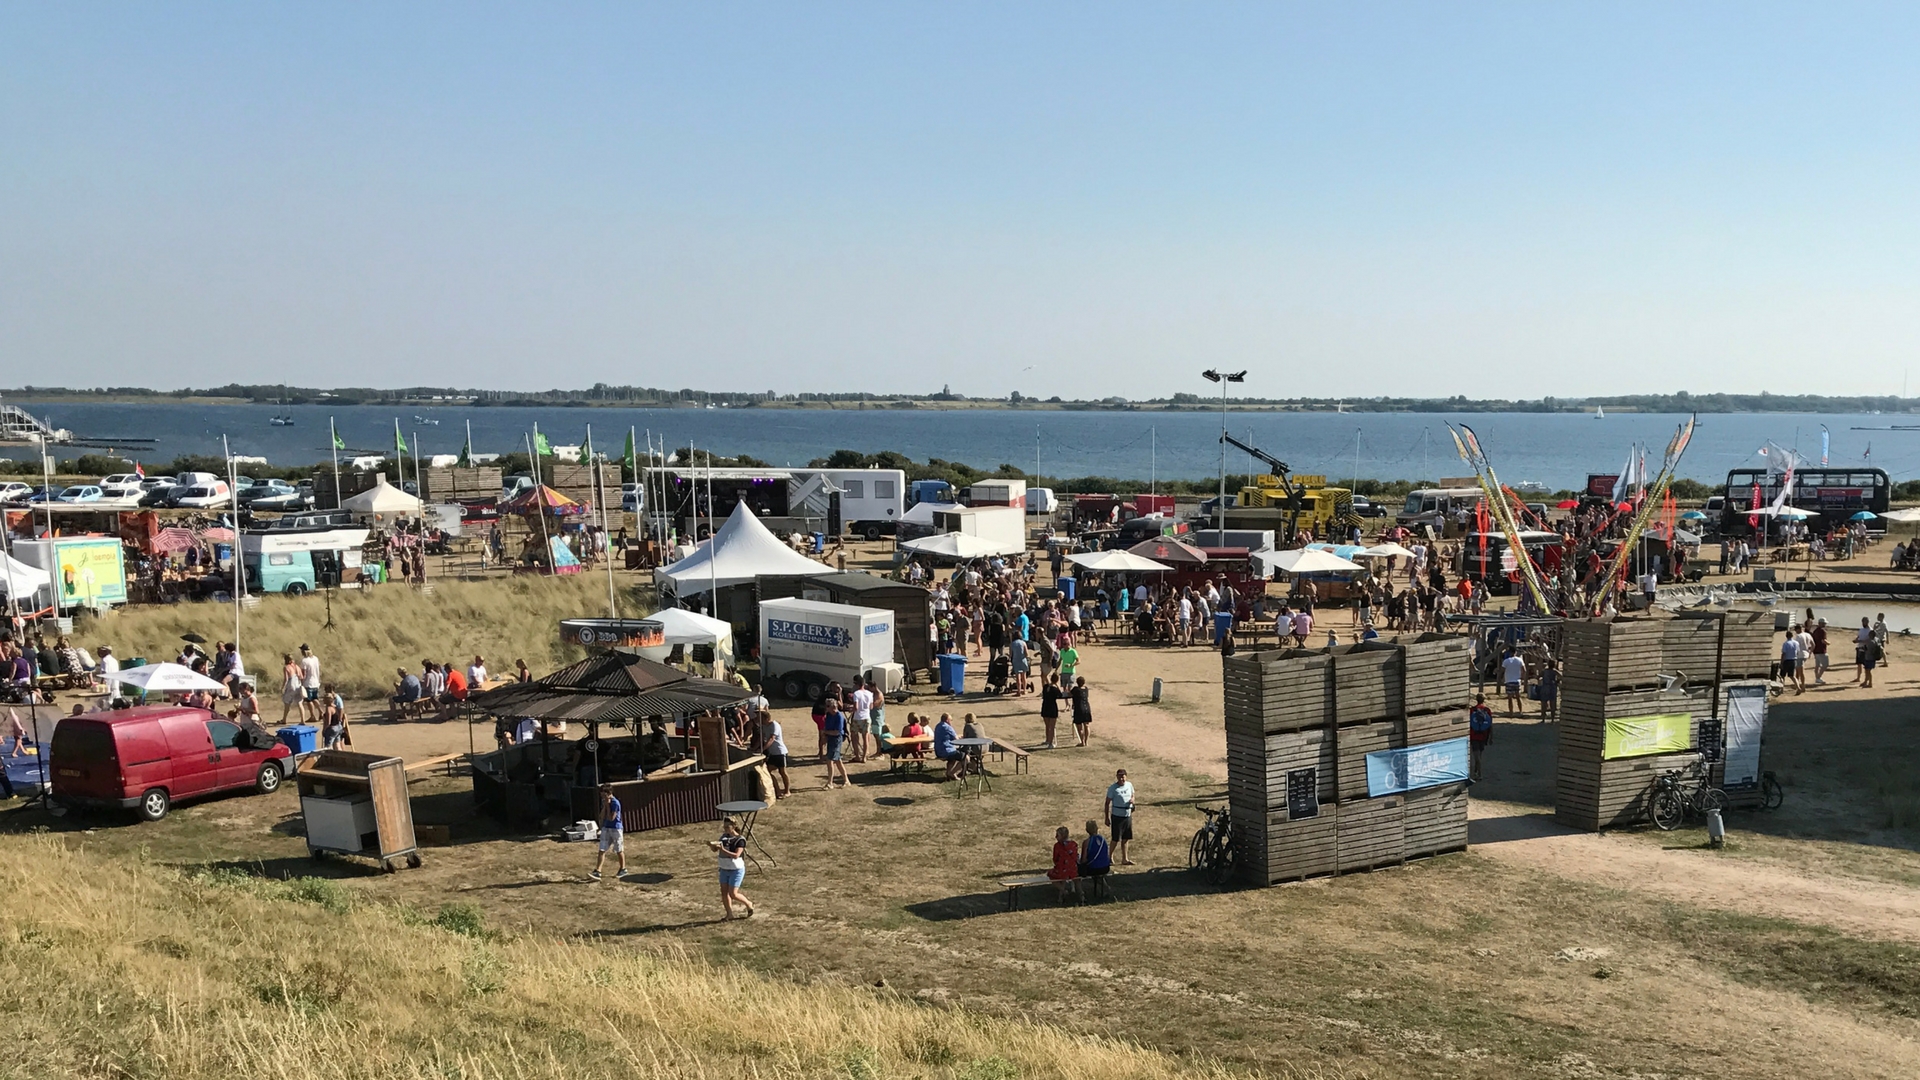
(999, 675)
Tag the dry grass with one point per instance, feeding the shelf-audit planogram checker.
(136, 970)
(502, 619)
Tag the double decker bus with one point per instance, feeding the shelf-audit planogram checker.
(1831, 495)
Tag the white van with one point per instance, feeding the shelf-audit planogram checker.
(1041, 501)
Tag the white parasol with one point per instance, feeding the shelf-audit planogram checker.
(1117, 562)
(163, 679)
(1387, 550)
(1303, 561)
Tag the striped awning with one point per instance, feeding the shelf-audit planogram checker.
(169, 541)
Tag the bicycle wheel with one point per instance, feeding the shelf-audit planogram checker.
(1220, 862)
(1667, 808)
(1771, 793)
(1197, 851)
(1712, 798)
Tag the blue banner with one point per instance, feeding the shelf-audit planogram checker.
(1390, 772)
(832, 637)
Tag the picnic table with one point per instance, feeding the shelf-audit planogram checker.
(900, 752)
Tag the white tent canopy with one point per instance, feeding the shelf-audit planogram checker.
(742, 550)
(957, 546)
(381, 498)
(1387, 550)
(685, 627)
(1116, 562)
(1302, 561)
(162, 679)
(21, 581)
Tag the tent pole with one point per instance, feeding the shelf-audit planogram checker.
(539, 507)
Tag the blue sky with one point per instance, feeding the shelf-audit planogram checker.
(1087, 200)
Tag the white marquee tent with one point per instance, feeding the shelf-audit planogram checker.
(685, 627)
(743, 549)
(382, 498)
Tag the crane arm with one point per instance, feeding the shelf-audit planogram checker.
(1279, 467)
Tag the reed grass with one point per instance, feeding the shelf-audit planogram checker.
(129, 968)
(375, 631)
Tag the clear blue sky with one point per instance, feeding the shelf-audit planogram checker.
(1347, 199)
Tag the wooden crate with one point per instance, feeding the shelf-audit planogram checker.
(1583, 713)
(1280, 690)
(1354, 743)
(446, 485)
(1369, 682)
(1436, 727)
(1606, 655)
(1690, 647)
(1438, 672)
(1371, 833)
(1297, 848)
(1436, 820)
(1746, 645)
(1595, 795)
(1261, 765)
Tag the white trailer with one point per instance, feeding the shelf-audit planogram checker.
(871, 500)
(998, 493)
(1006, 526)
(806, 644)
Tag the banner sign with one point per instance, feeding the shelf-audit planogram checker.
(1638, 736)
(1390, 772)
(91, 572)
(829, 637)
(1746, 717)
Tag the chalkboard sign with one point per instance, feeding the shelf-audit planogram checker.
(1710, 742)
(1303, 793)
(703, 653)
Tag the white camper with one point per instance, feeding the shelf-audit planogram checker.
(871, 500)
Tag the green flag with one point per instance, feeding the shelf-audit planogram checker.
(630, 459)
(466, 454)
(541, 446)
(338, 442)
(586, 448)
(399, 444)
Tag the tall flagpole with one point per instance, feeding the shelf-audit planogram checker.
(420, 513)
(599, 482)
(539, 503)
(239, 583)
(333, 447)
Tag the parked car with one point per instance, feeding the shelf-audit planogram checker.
(80, 493)
(273, 495)
(156, 490)
(201, 496)
(124, 485)
(14, 492)
(148, 758)
(44, 495)
(1366, 508)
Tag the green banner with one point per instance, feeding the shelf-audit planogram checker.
(1638, 736)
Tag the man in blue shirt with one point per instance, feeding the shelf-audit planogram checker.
(613, 833)
(406, 691)
(943, 748)
(1096, 859)
(1479, 733)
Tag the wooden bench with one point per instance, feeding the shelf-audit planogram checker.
(428, 764)
(1015, 884)
(1000, 749)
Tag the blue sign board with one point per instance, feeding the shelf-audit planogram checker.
(831, 637)
(1390, 772)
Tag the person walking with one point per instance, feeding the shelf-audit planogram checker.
(1082, 709)
(732, 851)
(1118, 813)
(862, 720)
(1479, 734)
(309, 685)
(292, 688)
(1050, 696)
(1862, 642)
(1513, 672)
(833, 729)
(1820, 652)
(613, 834)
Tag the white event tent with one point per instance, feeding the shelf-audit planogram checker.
(742, 550)
(685, 627)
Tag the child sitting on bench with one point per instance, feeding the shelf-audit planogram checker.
(1066, 864)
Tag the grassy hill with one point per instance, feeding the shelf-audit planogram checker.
(127, 968)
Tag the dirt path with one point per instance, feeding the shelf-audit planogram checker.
(1523, 835)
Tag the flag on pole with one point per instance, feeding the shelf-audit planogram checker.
(630, 459)
(142, 473)
(399, 444)
(338, 442)
(586, 446)
(466, 454)
(1825, 435)
(541, 446)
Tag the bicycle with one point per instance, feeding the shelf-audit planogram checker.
(1211, 852)
(1679, 795)
(1771, 793)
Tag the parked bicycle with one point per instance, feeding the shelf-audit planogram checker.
(1680, 795)
(1771, 793)
(1211, 853)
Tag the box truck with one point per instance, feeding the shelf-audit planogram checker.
(806, 644)
(998, 493)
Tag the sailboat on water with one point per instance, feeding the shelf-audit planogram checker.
(1599, 412)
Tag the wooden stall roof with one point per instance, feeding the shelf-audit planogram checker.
(609, 686)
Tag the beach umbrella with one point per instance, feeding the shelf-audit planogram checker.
(195, 638)
(1387, 550)
(1793, 512)
(1117, 562)
(1303, 561)
(1166, 549)
(218, 535)
(1909, 514)
(1864, 515)
(1566, 504)
(1693, 515)
(162, 679)
(1682, 536)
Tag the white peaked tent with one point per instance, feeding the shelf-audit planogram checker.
(382, 498)
(20, 580)
(685, 627)
(742, 550)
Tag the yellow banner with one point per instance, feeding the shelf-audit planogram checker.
(1638, 736)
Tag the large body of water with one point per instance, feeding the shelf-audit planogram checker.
(1556, 449)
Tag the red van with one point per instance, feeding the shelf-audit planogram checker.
(150, 756)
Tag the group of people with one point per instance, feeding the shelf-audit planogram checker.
(442, 687)
(27, 662)
(1806, 645)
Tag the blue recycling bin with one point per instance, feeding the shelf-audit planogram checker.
(953, 672)
(1066, 588)
(300, 738)
(819, 543)
(1222, 622)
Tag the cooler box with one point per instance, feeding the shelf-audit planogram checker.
(953, 672)
(300, 738)
(1066, 585)
(1222, 622)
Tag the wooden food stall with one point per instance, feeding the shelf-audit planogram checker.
(357, 804)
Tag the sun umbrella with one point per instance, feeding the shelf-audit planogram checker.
(162, 679)
(1864, 515)
(171, 540)
(1168, 550)
(1909, 514)
(1566, 504)
(195, 638)
(1303, 562)
(1116, 562)
(1682, 536)
(1387, 550)
(218, 535)
(1693, 515)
